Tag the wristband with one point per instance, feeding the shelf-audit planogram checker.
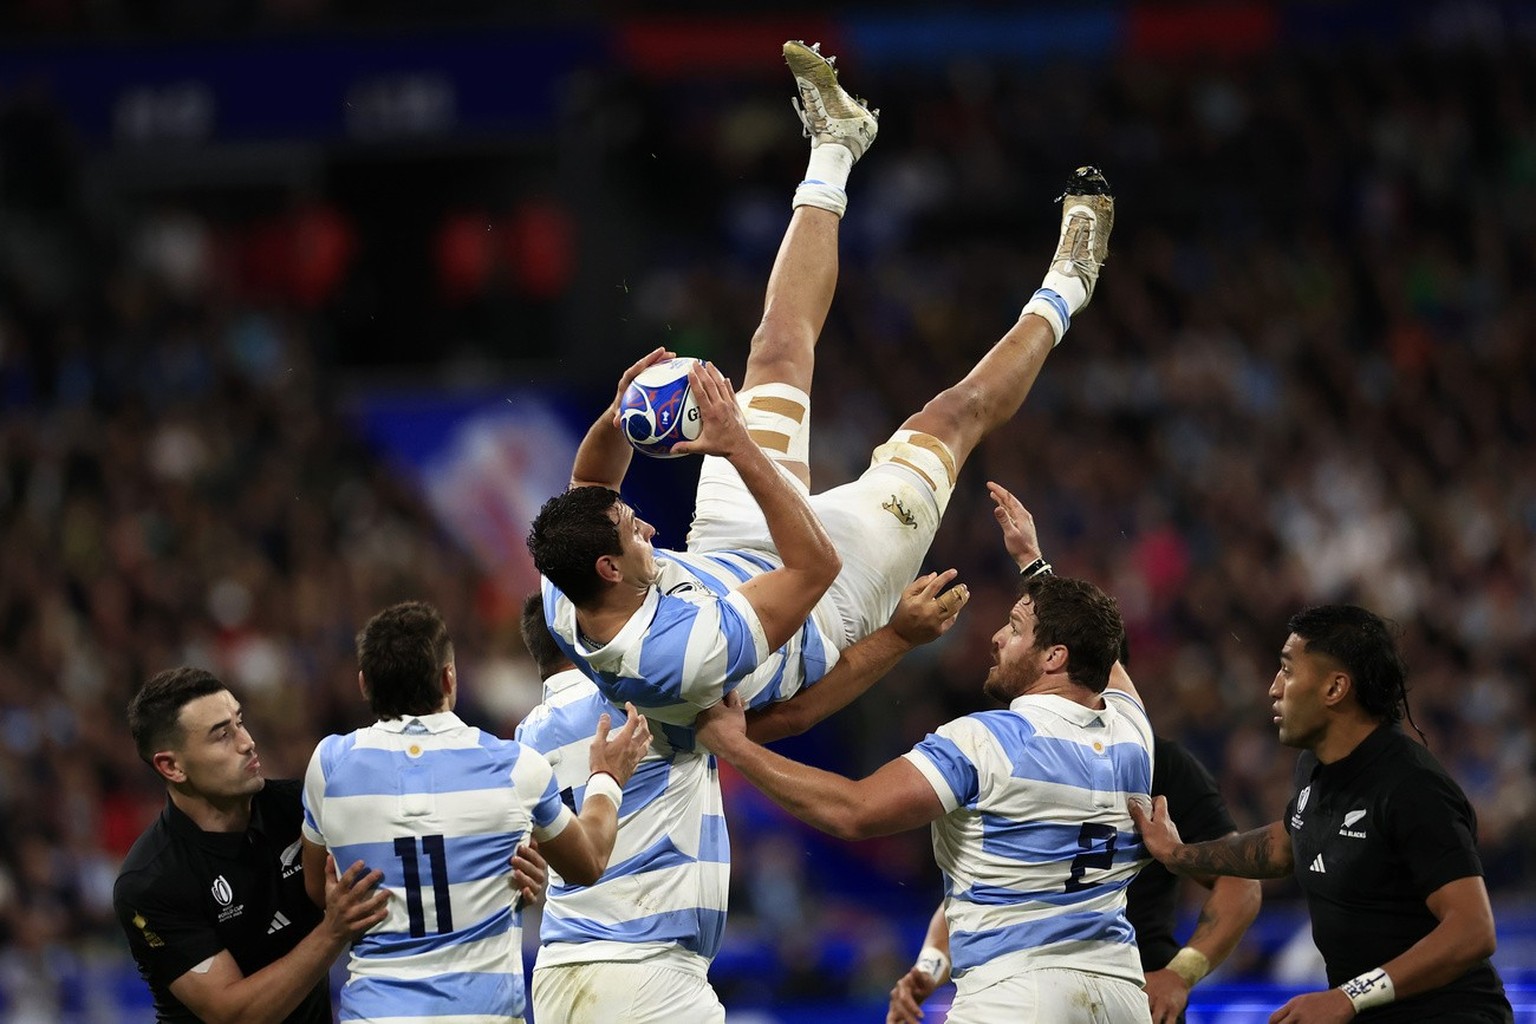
(1373, 988)
(1039, 567)
(1190, 964)
(934, 962)
(604, 784)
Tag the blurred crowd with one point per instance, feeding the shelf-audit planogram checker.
(1309, 375)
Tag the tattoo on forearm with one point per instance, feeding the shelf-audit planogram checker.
(1250, 855)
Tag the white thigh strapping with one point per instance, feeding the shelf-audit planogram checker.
(725, 516)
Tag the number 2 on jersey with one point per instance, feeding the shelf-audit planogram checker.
(1091, 834)
(432, 846)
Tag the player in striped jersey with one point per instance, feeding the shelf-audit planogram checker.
(1027, 806)
(635, 947)
(441, 808)
(750, 605)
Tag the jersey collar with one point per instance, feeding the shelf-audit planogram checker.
(1357, 760)
(227, 843)
(609, 657)
(1061, 707)
(443, 721)
(562, 681)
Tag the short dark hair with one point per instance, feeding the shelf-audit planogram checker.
(539, 640)
(1083, 619)
(570, 533)
(154, 713)
(1365, 645)
(401, 653)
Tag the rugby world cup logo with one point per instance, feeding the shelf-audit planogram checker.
(222, 892)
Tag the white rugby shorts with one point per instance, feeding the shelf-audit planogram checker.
(642, 992)
(1050, 995)
(881, 524)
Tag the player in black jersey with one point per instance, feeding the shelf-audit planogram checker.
(1379, 837)
(212, 895)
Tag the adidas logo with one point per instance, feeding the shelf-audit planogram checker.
(279, 922)
(1317, 865)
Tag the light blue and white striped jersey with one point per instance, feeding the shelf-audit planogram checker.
(1037, 847)
(694, 640)
(663, 897)
(441, 808)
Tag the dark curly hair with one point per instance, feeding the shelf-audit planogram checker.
(1365, 645)
(570, 533)
(1084, 620)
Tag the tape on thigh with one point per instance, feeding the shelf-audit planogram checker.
(926, 457)
(779, 420)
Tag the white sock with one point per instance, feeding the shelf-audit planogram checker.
(829, 164)
(1049, 306)
(1068, 287)
(826, 178)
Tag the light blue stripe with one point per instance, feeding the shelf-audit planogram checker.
(469, 858)
(369, 771)
(770, 693)
(714, 584)
(741, 574)
(1045, 842)
(450, 996)
(661, 854)
(393, 944)
(648, 784)
(333, 749)
(1042, 758)
(999, 896)
(569, 723)
(972, 949)
(958, 770)
(1057, 303)
(813, 655)
(756, 559)
(714, 840)
(698, 929)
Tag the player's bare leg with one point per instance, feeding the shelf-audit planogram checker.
(804, 274)
(960, 416)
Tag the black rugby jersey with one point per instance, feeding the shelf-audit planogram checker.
(1194, 803)
(184, 895)
(1374, 835)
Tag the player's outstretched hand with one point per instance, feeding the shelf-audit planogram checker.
(1018, 526)
(1328, 1007)
(530, 875)
(656, 355)
(619, 753)
(722, 427)
(724, 724)
(1158, 832)
(354, 902)
(926, 610)
(907, 997)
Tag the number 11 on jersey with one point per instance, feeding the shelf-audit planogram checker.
(432, 846)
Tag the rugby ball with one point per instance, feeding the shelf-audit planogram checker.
(658, 410)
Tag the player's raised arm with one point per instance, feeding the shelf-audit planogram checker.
(784, 597)
(925, 612)
(603, 457)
